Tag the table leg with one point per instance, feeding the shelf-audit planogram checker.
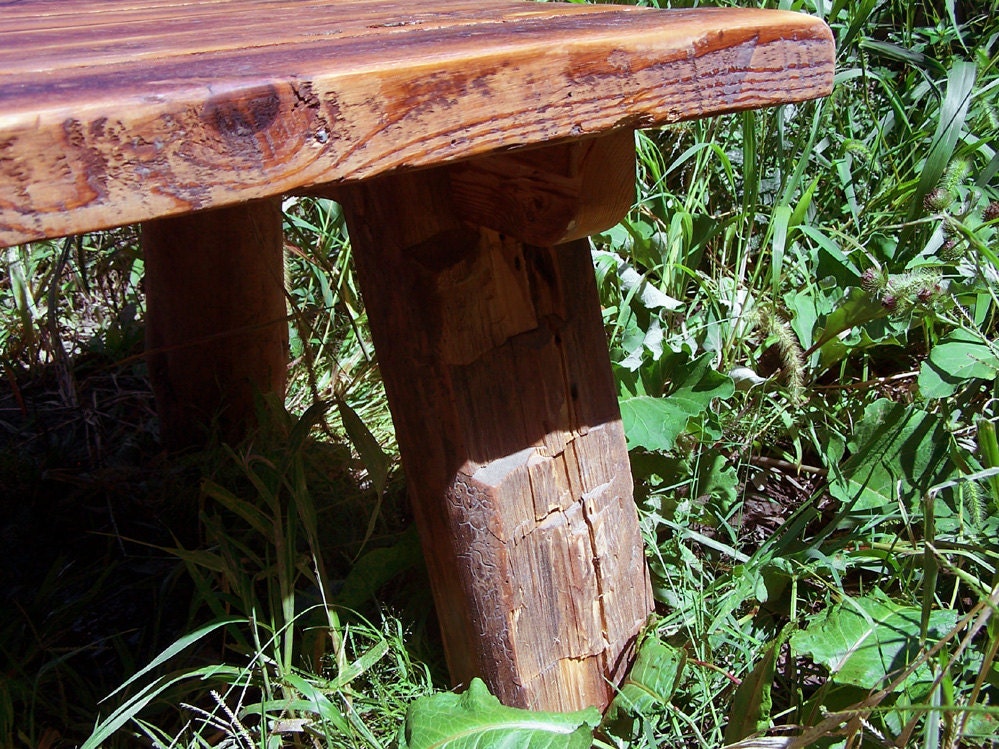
(216, 321)
(495, 363)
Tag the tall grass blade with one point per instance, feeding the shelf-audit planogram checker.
(861, 14)
(950, 124)
(319, 702)
(134, 705)
(779, 226)
(181, 644)
(988, 447)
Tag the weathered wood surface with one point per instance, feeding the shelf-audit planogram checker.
(495, 363)
(547, 196)
(216, 319)
(114, 112)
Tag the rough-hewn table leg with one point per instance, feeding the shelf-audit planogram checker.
(216, 321)
(496, 367)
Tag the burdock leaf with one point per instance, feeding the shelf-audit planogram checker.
(475, 719)
(651, 683)
(866, 642)
(963, 355)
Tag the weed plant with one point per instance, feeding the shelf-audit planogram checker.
(803, 306)
(823, 279)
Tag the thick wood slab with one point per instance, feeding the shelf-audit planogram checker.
(114, 112)
(495, 363)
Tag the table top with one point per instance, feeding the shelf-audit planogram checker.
(117, 111)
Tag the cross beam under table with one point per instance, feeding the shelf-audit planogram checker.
(195, 117)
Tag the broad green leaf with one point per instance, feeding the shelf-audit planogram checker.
(655, 423)
(690, 385)
(718, 479)
(897, 450)
(651, 342)
(804, 313)
(645, 292)
(958, 357)
(651, 683)
(475, 719)
(935, 382)
(700, 382)
(867, 642)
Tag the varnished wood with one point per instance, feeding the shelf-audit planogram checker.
(496, 368)
(216, 324)
(116, 112)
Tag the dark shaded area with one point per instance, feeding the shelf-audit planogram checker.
(90, 508)
(86, 496)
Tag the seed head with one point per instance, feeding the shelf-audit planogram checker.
(936, 200)
(956, 173)
(927, 293)
(873, 281)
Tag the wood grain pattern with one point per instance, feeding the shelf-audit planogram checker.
(547, 196)
(495, 364)
(116, 112)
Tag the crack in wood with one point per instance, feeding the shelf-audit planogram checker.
(494, 360)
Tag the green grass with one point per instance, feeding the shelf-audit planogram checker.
(823, 276)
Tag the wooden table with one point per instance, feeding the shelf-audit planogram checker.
(473, 144)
